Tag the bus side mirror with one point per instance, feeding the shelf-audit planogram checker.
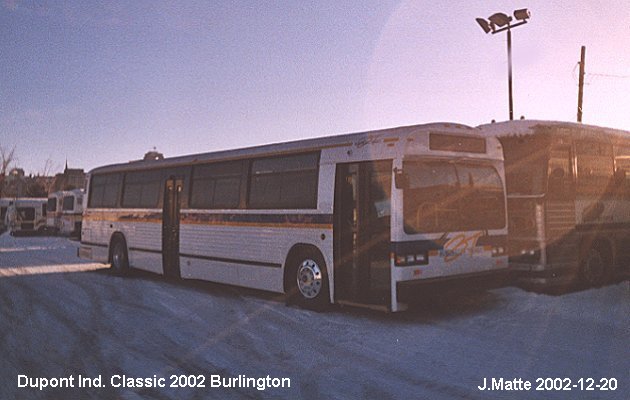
(401, 180)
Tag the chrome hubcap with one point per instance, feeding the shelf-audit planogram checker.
(117, 258)
(309, 279)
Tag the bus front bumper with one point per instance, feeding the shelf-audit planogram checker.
(539, 276)
(84, 252)
(473, 282)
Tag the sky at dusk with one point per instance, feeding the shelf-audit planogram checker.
(96, 82)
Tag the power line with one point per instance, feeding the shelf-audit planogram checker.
(608, 75)
(589, 76)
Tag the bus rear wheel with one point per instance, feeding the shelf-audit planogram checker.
(119, 257)
(593, 269)
(308, 281)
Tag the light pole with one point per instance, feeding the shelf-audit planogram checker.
(503, 23)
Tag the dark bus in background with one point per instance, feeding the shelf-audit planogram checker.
(568, 190)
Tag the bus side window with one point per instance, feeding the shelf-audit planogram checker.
(595, 168)
(560, 182)
(105, 190)
(622, 171)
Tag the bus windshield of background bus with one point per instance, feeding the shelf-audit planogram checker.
(443, 196)
(526, 176)
(525, 164)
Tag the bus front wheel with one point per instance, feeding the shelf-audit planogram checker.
(308, 281)
(119, 257)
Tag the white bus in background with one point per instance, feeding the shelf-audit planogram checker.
(26, 216)
(72, 212)
(53, 211)
(366, 219)
(67, 206)
(568, 190)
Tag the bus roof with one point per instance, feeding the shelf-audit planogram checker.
(61, 193)
(29, 200)
(529, 127)
(288, 147)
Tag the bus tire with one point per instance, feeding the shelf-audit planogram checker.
(307, 281)
(119, 257)
(593, 268)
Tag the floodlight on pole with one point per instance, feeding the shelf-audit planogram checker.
(522, 14)
(500, 19)
(484, 25)
(503, 22)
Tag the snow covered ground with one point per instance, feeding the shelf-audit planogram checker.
(61, 317)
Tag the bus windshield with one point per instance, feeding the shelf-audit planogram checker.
(52, 204)
(443, 196)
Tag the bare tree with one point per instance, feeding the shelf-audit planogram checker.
(46, 176)
(6, 159)
(47, 169)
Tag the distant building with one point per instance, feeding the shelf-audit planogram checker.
(15, 174)
(71, 178)
(153, 155)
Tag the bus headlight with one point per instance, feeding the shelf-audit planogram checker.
(405, 260)
(527, 255)
(498, 251)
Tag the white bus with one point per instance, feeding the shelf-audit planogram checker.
(568, 190)
(65, 210)
(357, 219)
(53, 211)
(26, 215)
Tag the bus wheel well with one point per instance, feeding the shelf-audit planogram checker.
(306, 278)
(604, 246)
(622, 255)
(596, 258)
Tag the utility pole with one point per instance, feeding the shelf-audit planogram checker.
(581, 85)
(509, 50)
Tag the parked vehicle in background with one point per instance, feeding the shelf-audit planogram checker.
(53, 212)
(568, 190)
(26, 216)
(66, 215)
(364, 219)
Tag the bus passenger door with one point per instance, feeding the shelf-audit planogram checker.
(170, 227)
(362, 232)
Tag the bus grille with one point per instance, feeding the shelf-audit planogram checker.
(522, 217)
